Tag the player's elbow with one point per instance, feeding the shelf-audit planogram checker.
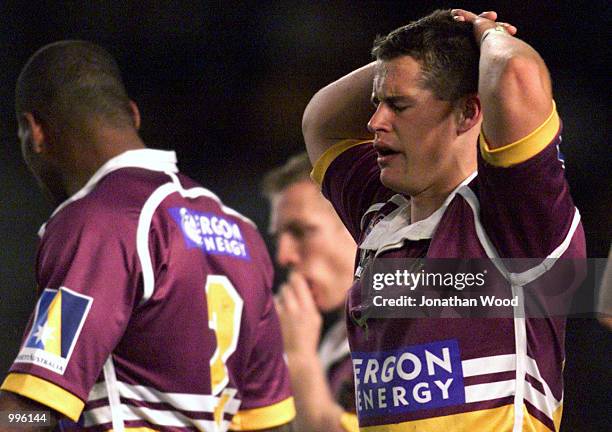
(313, 125)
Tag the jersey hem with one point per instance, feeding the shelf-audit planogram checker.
(265, 417)
(321, 165)
(46, 393)
(523, 149)
(500, 418)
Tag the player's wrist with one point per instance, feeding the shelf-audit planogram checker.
(498, 29)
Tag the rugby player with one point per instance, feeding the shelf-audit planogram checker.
(313, 244)
(459, 159)
(155, 308)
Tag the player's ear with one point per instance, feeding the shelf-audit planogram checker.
(32, 133)
(135, 114)
(469, 113)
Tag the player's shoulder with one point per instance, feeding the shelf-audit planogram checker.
(111, 207)
(206, 222)
(201, 201)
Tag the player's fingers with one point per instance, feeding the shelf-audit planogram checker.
(463, 15)
(289, 302)
(509, 28)
(300, 288)
(490, 15)
(278, 303)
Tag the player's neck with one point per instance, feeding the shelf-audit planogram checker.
(91, 152)
(423, 207)
(428, 201)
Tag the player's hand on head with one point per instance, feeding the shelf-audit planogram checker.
(299, 317)
(482, 22)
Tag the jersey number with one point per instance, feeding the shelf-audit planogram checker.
(224, 315)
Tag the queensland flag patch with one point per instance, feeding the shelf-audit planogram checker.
(210, 232)
(58, 320)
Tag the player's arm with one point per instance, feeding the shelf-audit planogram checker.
(316, 409)
(301, 324)
(514, 83)
(339, 111)
(13, 403)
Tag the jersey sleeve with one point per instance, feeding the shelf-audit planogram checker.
(266, 394)
(350, 179)
(527, 209)
(81, 314)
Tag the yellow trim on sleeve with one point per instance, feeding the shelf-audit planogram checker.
(525, 148)
(349, 422)
(46, 393)
(265, 417)
(321, 165)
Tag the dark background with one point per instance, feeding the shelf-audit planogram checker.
(225, 86)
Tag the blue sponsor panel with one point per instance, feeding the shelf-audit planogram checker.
(408, 379)
(211, 233)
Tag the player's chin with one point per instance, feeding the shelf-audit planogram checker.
(391, 179)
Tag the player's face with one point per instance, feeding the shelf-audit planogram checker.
(414, 130)
(311, 240)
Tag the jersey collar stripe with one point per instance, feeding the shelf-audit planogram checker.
(393, 229)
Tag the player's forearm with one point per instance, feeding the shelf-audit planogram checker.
(340, 110)
(316, 409)
(514, 87)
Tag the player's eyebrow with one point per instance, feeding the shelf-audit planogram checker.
(392, 99)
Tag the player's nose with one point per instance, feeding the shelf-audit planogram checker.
(287, 251)
(379, 122)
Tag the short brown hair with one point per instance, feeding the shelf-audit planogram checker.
(295, 170)
(445, 48)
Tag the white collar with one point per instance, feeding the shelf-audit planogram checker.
(396, 226)
(151, 159)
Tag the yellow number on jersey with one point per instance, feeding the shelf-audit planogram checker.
(224, 315)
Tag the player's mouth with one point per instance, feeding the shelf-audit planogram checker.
(384, 153)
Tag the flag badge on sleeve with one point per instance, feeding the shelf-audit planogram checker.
(58, 320)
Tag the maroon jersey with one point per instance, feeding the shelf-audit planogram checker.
(460, 374)
(156, 309)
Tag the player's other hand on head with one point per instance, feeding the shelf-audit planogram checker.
(299, 317)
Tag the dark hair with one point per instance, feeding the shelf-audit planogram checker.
(445, 48)
(69, 81)
(295, 170)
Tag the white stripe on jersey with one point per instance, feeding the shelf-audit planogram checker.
(156, 417)
(488, 365)
(200, 191)
(489, 391)
(544, 402)
(142, 237)
(114, 398)
(180, 401)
